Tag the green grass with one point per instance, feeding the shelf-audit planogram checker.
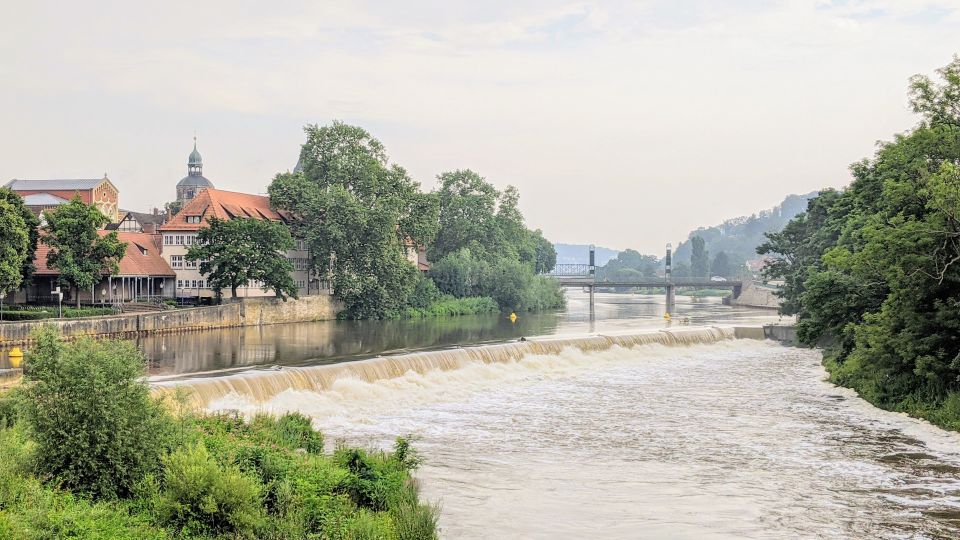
(449, 306)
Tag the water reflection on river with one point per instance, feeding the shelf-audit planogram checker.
(333, 341)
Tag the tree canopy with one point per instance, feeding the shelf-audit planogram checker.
(359, 214)
(33, 230)
(364, 218)
(233, 252)
(77, 250)
(875, 267)
(14, 247)
(699, 258)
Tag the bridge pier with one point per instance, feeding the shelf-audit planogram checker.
(671, 298)
(592, 290)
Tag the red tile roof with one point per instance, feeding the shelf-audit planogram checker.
(142, 257)
(222, 205)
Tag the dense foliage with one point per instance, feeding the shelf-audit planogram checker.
(77, 250)
(627, 265)
(875, 268)
(32, 226)
(365, 220)
(14, 246)
(96, 427)
(359, 214)
(235, 251)
(87, 453)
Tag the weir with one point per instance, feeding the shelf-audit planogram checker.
(264, 384)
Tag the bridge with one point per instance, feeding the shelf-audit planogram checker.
(590, 277)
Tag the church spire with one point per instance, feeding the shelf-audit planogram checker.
(195, 162)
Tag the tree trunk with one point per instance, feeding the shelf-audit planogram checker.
(233, 290)
(77, 288)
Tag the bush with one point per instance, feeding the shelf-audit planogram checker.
(448, 306)
(294, 430)
(200, 497)
(97, 429)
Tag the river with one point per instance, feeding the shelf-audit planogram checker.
(638, 434)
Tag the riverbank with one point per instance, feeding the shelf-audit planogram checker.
(238, 313)
(157, 475)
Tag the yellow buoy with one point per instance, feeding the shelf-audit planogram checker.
(513, 317)
(666, 316)
(16, 357)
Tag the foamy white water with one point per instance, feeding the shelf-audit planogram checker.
(734, 439)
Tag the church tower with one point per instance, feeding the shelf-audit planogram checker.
(194, 182)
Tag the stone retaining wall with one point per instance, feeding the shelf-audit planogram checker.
(243, 312)
(753, 295)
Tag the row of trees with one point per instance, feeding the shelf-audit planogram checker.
(875, 268)
(77, 251)
(361, 215)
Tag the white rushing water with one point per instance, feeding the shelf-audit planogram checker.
(734, 439)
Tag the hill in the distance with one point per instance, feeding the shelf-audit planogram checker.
(580, 254)
(739, 237)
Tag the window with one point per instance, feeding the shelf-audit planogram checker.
(189, 240)
(202, 285)
(168, 240)
(179, 283)
(176, 261)
(194, 286)
(193, 219)
(179, 239)
(191, 264)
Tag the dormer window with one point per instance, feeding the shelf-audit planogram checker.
(193, 219)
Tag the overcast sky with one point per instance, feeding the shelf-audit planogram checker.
(624, 124)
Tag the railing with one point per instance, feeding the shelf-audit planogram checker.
(572, 270)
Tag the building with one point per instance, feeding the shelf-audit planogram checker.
(194, 182)
(140, 222)
(40, 195)
(143, 274)
(180, 232)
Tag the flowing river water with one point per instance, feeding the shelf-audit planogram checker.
(609, 428)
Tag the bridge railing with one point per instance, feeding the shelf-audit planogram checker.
(571, 270)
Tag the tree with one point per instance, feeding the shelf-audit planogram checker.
(97, 429)
(14, 247)
(77, 250)
(356, 212)
(721, 265)
(699, 258)
(235, 251)
(33, 230)
(467, 214)
(875, 268)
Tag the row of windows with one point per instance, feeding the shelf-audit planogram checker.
(299, 263)
(191, 284)
(179, 239)
(179, 261)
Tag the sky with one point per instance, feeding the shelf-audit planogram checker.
(624, 124)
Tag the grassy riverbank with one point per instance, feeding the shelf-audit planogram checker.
(87, 453)
(448, 306)
(36, 313)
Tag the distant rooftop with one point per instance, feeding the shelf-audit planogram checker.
(43, 199)
(54, 185)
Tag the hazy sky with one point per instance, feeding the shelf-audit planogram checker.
(625, 124)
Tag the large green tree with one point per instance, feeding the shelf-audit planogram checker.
(699, 258)
(357, 213)
(875, 268)
(14, 248)
(33, 230)
(77, 250)
(235, 251)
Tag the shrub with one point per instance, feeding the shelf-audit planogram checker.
(97, 429)
(200, 497)
(9, 409)
(295, 431)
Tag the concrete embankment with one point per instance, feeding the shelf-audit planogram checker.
(243, 312)
(784, 333)
(756, 296)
